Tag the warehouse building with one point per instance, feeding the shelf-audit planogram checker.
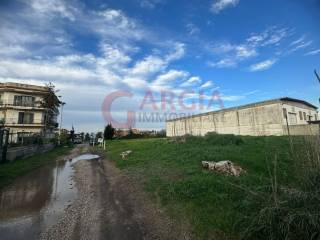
(278, 117)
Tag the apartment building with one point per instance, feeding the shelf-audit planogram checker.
(22, 111)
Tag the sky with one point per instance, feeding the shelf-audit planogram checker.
(160, 56)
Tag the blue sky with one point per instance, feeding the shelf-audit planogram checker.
(247, 50)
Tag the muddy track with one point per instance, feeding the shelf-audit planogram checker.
(112, 206)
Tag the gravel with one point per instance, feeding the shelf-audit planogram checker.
(111, 205)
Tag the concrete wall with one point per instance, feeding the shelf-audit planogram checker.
(257, 120)
(303, 130)
(26, 151)
(254, 120)
(299, 113)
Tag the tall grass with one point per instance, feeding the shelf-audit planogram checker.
(288, 211)
(277, 197)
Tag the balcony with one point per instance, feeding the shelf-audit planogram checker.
(15, 122)
(21, 105)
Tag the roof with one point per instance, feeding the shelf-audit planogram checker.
(271, 101)
(22, 87)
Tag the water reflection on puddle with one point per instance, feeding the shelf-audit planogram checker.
(36, 201)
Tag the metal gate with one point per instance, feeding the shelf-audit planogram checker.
(4, 136)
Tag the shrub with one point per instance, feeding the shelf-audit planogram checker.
(223, 139)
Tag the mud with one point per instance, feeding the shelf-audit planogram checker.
(37, 200)
(83, 197)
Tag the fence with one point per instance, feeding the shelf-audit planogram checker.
(3, 144)
(29, 138)
(33, 104)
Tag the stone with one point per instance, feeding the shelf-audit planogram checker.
(226, 167)
(125, 154)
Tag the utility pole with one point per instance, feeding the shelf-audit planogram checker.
(318, 77)
(59, 139)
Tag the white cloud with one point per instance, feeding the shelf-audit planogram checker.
(219, 5)
(261, 66)
(114, 55)
(52, 7)
(48, 71)
(206, 84)
(299, 40)
(148, 66)
(275, 36)
(223, 63)
(150, 4)
(232, 54)
(314, 52)
(36, 47)
(191, 81)
(192, 29)
(243, 52)
(301, 45)
(177, 53)
(232, 98)
(170, 76)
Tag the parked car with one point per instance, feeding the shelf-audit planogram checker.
(77, 141)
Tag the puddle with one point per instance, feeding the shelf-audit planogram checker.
(36, 201)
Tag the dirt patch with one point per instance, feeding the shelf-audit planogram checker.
(110, 205)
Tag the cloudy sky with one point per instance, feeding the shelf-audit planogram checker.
(246, 50)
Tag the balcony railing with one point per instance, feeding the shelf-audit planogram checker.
(20, 104)
(27, 122)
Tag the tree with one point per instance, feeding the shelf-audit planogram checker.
(87, 137)
(99, 135)
(130, 132)
(72, 135)
(108, 132)
(52, 103)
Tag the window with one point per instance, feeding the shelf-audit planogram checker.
(25, 118)
(292, 118)
(315, 117)
(300, 115)
(27, 101)
(305, 116)
(285, 113)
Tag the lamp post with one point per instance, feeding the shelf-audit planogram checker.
(61, 111)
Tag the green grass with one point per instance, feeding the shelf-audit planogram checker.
(213, 203)
(11, 170)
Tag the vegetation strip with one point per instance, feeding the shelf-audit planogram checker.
(11, 170)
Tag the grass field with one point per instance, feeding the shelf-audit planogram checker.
(11, 170)
(217, 206)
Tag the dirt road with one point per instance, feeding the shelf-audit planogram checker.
(102, 203)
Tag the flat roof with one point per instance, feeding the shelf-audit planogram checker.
(282, 99)
(20, 86)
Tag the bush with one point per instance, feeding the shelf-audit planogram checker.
(224, 139)
(212, 138)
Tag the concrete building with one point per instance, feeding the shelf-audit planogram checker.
(21, 110)
(258, 119)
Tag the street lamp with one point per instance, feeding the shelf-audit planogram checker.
(59, 140)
